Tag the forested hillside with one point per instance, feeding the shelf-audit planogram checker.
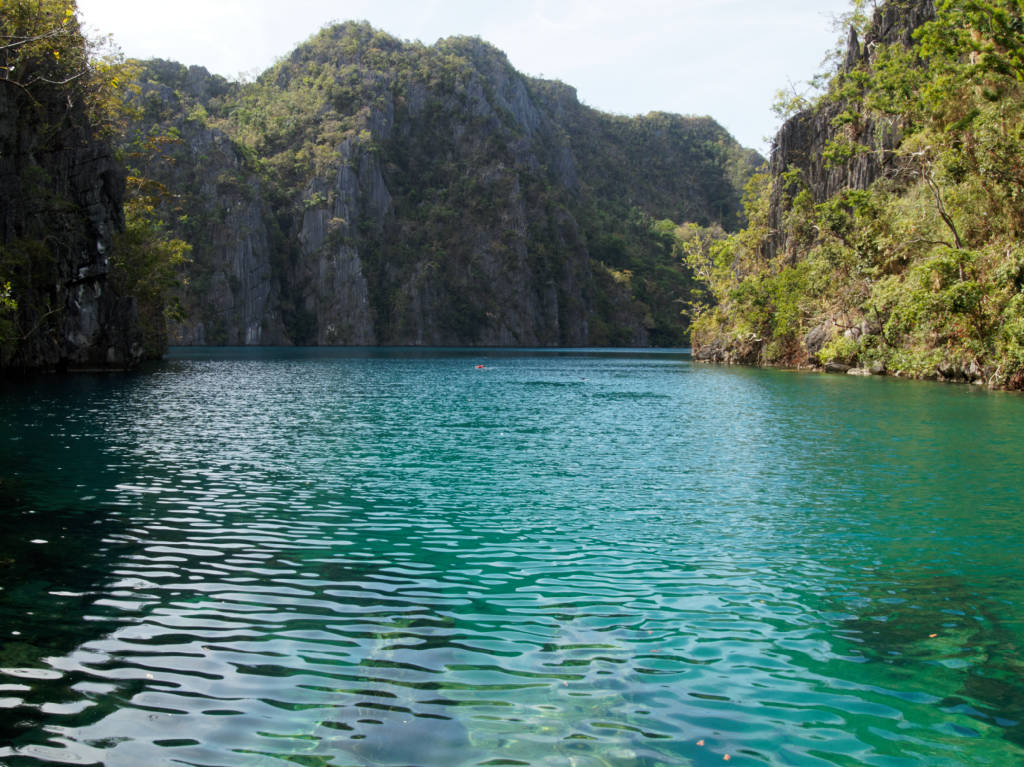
(367, 190)
(887, 236)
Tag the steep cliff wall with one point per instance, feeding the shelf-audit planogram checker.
(218, 203)
(395, 193)
(60, 205)
(465, 237)
(802, 141)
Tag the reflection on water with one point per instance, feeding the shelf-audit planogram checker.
(386, 558)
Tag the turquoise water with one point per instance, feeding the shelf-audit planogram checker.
(396, 558)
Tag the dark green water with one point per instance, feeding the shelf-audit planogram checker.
(394, 558)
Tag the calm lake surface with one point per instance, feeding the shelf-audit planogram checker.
(387, 557)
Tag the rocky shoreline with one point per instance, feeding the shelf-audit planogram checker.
(750, 353)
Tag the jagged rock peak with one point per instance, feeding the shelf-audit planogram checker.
(892, 23)
(802, 139)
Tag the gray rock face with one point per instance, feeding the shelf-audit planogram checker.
(330, 271)
(61, 195)
(802, 140)
(816, 338)
(232, 291)
(837, 367)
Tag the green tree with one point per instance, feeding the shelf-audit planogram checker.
(146, 263)
(41, 45)
(148, 259)
(43, 52)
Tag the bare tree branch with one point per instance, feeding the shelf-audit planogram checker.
(20, 41)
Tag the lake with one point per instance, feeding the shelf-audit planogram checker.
(611, 559)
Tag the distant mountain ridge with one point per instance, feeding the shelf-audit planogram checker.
(367, 190)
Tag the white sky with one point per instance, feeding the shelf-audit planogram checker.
(723, 58)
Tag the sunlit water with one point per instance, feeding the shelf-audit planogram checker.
(610, 559)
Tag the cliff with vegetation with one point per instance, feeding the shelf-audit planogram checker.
(367, 190)
(887, 236)
(61, 197)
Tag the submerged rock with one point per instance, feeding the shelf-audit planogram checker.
(409, 739)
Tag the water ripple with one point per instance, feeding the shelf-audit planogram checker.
(383, 559)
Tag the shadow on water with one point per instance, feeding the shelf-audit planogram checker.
(53, 564)
(937, 633)
(58, 538)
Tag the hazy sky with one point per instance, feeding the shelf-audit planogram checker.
(724, 58)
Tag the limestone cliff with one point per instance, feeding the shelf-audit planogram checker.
(61, 197)
(887, 236)
(367, 190)
(799, 149)
(231, 294)
(802, 140)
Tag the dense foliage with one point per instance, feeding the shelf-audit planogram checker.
(45, 57)
(922, 270)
